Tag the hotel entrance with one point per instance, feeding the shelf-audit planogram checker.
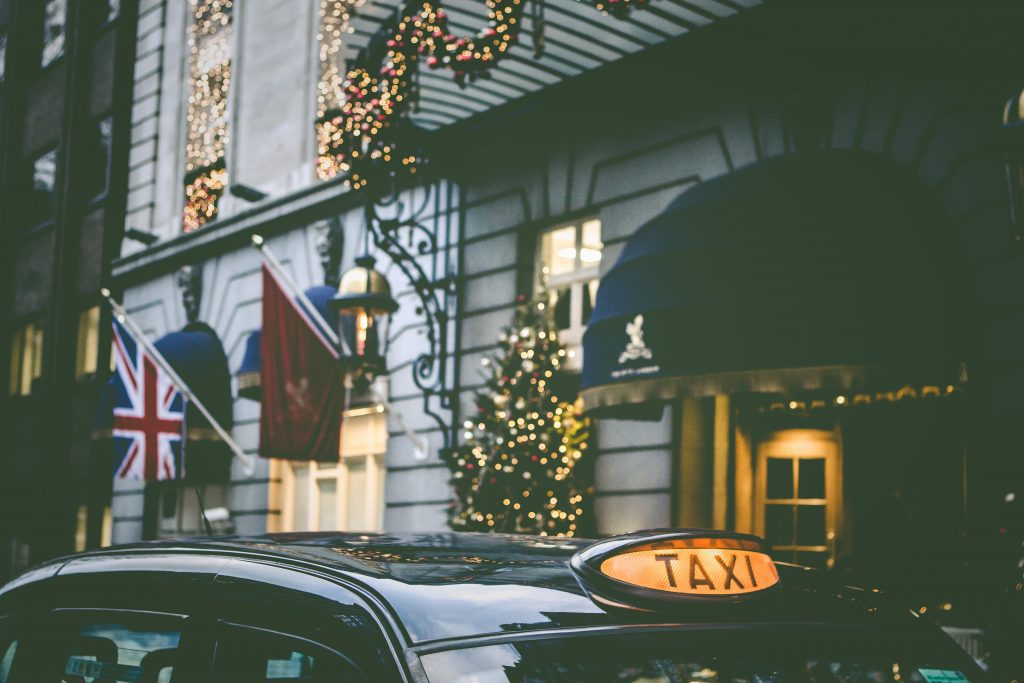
(799, 495)
(827, 419)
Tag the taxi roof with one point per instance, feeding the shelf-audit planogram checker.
(449, 585)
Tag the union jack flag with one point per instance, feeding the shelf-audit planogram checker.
(149, 415)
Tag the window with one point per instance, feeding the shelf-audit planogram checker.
(129, 649)
(254, 655)
(797, 491)
(88, 347)
(44, 180)
(3, 55)
(799, 653)
(570, 263)
(54, 14)
(347, 495)
(96, 183)
(330, 93)
(180, 514)
(209, 66)
(82, 528)
(26, 360)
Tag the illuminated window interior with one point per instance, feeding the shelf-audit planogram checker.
(26, 362)
(87, 349)
(209, 65)
(570, 264)
(347, 495)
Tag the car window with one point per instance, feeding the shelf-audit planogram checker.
(8, 646)
(128, 648)
(259, 656)
(714, 656)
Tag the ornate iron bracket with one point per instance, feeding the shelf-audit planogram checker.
(399, 227)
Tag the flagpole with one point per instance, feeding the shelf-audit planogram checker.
(260, 243)
(279, 270)
(123, 317)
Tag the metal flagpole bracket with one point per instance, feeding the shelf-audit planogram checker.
(248, 461)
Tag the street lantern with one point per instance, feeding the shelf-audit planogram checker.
(364, 304)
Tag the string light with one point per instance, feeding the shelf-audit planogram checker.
(209, 45)
(353, 113)
(619, 9)
(903, 393)
(506, 456)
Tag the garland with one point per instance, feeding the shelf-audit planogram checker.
(350, 139)
(619, 9)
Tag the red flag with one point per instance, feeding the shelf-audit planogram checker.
(303, 385)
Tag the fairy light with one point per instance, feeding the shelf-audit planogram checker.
(355, 112)
(335, 18)
(209, 45)
(524, 439)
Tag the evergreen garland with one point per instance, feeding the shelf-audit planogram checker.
(523, 465)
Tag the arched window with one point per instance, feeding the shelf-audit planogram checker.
(209, 68)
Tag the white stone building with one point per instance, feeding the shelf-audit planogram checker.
(573, 151)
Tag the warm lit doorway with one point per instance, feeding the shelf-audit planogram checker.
(798, 494)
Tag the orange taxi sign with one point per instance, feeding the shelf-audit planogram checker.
(670, 566)
(696, 571)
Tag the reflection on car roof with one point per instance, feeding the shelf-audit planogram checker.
(456, 585)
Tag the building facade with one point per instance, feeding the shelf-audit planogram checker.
(65, 113)
(777, 238)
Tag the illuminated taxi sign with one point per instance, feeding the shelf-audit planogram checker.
(659, 568)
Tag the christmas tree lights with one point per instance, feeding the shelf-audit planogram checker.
(523, 465)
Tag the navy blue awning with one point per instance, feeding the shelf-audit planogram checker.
(248, 374)
(810, 271)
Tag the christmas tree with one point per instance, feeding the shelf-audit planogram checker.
(522, 467)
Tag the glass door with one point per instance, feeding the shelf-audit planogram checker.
(798, 493)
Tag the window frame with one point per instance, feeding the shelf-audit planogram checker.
(103, 194)
(795, 445)
(92, 338)
(18, 345)
(224, 201)
(234, 626)
(376, 475)
(40, 627)
(5, 42)
(59, 58)
(184, 491)
(577, 280)
(108, 20)
(32, 159)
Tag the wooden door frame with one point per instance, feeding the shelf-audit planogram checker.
(803, 444)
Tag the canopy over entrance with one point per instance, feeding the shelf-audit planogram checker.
(832, 270)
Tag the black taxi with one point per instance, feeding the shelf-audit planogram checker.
(652, 607)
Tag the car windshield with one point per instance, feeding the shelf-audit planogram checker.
(736, 655)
